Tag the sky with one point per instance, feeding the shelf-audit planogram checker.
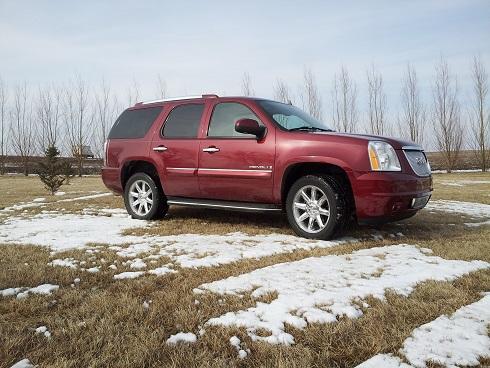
(206, 46)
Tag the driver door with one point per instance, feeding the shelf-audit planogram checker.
(235, 166)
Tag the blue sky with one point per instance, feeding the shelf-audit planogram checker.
(206, 46)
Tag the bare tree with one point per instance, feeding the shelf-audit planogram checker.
(133, 93)
(247, 88)
(161, 91)
(106, 108)
(377, 102)
(344, 99)
(281, 92)
(21, 127)
(480, 117)
(3, 125)
(310, 96)
(49, 115)
(446, 116)
(413, 117)
(78, 119)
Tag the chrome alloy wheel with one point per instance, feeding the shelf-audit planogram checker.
(140, 197)
(311, 209)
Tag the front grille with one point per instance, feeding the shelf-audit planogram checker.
(418, 162)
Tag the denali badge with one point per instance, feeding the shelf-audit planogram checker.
(261, 167)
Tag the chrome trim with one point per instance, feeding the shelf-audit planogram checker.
(177, 99)
(160, 149)
(170, 99)
(181, 168)
(211, 149)
(412, 148)
(247, 170)
(172, 201)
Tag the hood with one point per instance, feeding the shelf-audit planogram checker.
(397, 144)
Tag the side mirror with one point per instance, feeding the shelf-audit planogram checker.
(250, 126)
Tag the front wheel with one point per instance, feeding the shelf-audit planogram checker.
(315, 207)
(143, 198)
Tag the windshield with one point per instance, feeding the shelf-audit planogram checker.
(290, 117)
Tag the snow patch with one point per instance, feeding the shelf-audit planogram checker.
(457, 340)
(476, 210)
(321, 289)
(23, 292)
(460, 339)
(24, 363)
(182, 337)
(44, 331)
(128, 275)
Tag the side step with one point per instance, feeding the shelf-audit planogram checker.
(226, 205)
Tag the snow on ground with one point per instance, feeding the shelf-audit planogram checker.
(44, 331)
(41, 202)
(321, 289)
(65, 231)
(458, 340)
(23, 292)
(128, 275)
(24, 363)
(191, 250)
(71, 231)
(462, 183)
(181, 337)
(384, 361)
(475, 210)
(456, 171)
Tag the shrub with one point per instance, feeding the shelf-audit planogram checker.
(52, 170)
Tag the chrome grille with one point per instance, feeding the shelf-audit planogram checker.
(418, 162)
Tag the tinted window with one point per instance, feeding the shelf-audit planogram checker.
(224, 118)
(290, 117)
(183, 121)
(134, 123)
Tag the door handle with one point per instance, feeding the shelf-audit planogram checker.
(160, 149)
(211, 149)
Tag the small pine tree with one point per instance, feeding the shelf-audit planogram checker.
(52, 170)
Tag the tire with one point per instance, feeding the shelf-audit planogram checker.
(303, 214)
(141, 189)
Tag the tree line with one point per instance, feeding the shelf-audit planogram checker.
(442, 118)
(75, 115)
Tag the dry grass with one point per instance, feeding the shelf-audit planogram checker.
(102, 322)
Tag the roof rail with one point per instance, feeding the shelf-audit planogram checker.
(177, 98)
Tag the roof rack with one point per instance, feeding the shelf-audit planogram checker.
(177, 99)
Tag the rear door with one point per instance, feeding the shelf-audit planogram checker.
(235, 166)
(175, 148)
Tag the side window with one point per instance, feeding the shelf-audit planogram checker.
(183, 121)
(224, 117)
(134, 123)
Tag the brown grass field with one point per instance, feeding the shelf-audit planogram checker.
(101, 321)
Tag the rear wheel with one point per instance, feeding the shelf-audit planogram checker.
(316, 207)
(144, 199)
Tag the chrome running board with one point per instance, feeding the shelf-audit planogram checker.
(227, 205)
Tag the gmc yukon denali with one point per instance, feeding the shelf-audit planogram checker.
(250, 154)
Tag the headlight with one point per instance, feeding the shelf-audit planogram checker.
(383, 157)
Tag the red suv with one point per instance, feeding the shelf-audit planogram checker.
(250, 154)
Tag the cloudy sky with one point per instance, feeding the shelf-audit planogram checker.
(206, 46)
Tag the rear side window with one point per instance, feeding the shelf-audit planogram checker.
(134, 123)
(225, 115)
(183, 121)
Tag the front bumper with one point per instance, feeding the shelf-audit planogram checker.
(384, 196)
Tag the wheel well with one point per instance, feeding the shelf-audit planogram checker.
(296, 171)
(133, 167)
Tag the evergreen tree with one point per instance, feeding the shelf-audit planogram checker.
(52, 170)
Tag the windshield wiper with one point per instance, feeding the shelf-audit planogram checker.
(309, 128)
